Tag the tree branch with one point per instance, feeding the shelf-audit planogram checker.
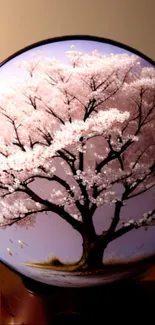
(122, 231)
(116, 218)
(103, 82)
(131, 188)
(32, 100)
(3, 154)
(19, 143)
(24, 216)
(145, 221)
(61, 182)
(81, 156)
(50, 111)
(56, 209)
(117, 154)
(82, 187)
(134, 225)
(113, 155)
(142, 191)
(89, 109)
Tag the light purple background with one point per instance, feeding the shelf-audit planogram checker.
(52, 236)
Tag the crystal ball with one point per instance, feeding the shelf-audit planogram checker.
(77, 161)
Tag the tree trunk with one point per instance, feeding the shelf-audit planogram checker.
(92, 257)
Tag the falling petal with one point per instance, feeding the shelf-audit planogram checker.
(20, 243)
(9, 251)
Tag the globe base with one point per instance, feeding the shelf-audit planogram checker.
(29, 302)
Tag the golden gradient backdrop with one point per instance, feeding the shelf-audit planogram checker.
(23, 22)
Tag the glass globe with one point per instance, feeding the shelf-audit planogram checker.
(77, 161)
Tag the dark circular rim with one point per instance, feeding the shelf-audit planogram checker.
(79, 37)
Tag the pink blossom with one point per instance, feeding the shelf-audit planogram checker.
(93, 119)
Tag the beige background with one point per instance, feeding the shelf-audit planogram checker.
(23, 22)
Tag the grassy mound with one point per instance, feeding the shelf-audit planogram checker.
(55, 264)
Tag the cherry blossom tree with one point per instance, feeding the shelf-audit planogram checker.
(86, 128)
